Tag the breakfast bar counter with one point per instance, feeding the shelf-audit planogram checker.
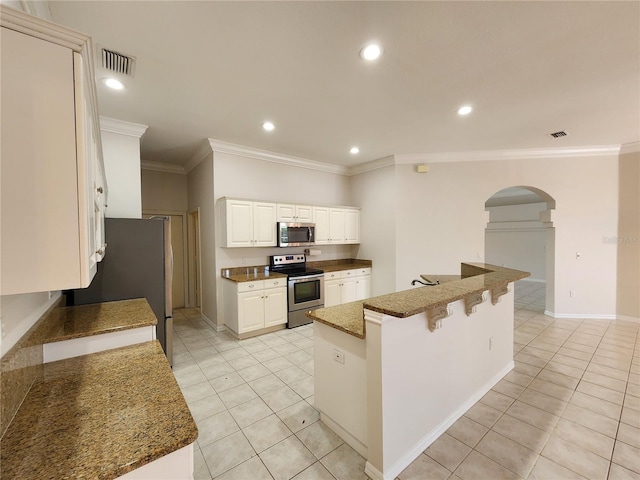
(98, 416)
(474, 279)
(394, 372)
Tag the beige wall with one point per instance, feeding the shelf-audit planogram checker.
(441, 221)
(628, 238)
(164, 191)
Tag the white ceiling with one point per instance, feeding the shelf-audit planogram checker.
(219, 69)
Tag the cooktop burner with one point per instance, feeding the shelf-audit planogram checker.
(292, 265)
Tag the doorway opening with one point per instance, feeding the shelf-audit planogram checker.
(193, 262)
(520, 235)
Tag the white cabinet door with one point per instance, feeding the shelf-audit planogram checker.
(352, 226)
(321, 219)
(286, 212)
(363, 287)
(264, 224)
(250, 311)
(332, 295)
(239, 223)
(295, 213)
(348, 290)
(275, 307)
(336, 225)
(45, 172)
(304, 213)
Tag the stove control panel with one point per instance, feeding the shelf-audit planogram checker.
(277, 260)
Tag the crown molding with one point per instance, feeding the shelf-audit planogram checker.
(218, 146)
(163, 167)
(121, 127)
(632, 147)
(516, 154)
(203, 151)
(40, 27)
(372, 165)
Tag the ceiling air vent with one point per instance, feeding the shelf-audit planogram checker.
(559, 134)
(117, 62)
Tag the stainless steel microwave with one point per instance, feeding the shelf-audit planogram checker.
(296, 234)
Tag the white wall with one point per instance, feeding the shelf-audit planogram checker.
(516, 238)
(18, 313)
(375, 191)
(121, 151)
(200, 194)
(441, 221)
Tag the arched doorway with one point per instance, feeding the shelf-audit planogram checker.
(520, 235)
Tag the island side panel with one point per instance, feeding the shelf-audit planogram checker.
(430, 379)
(341, 388)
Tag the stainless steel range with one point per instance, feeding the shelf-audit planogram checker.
(305, 286)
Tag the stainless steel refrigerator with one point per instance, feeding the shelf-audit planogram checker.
(138, 263)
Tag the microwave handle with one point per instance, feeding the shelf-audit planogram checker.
(308, 234)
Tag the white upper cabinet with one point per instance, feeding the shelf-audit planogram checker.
(248, 224)
(336, 225)
(52, 215)
(351, 225)
(295, 213)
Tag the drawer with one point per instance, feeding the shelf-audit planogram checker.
(363, 271)
(349, 273)
(275, 283)
(250, 286)
(332, 275)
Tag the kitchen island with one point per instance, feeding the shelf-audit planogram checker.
(393, 372)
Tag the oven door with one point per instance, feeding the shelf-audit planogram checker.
(306, 292)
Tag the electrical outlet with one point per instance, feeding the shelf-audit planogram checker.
(338, 356)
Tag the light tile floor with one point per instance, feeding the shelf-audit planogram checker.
(569, 409)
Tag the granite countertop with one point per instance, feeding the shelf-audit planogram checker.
(261, 272)
(98, 416)
(249, 274)
(97, 318)
(339, 265)
(474, 278)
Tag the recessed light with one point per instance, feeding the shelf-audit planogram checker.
(354, 150)
(113, 83)
(268, 126)
(371, 52)
(465, 110)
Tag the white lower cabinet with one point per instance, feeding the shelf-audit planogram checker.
(346, 286)
(252, 306)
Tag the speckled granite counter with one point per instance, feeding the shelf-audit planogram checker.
(475, 278)
(98, 416)
(249, 274)
(97, 318)
(339, 265)
(261, 272)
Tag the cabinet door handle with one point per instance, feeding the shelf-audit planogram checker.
(100, 189)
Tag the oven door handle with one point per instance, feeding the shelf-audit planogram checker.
(306, 278)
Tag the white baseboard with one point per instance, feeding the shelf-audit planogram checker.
(433, 435)
(212, 324)
(352, 441)
(581, 316)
